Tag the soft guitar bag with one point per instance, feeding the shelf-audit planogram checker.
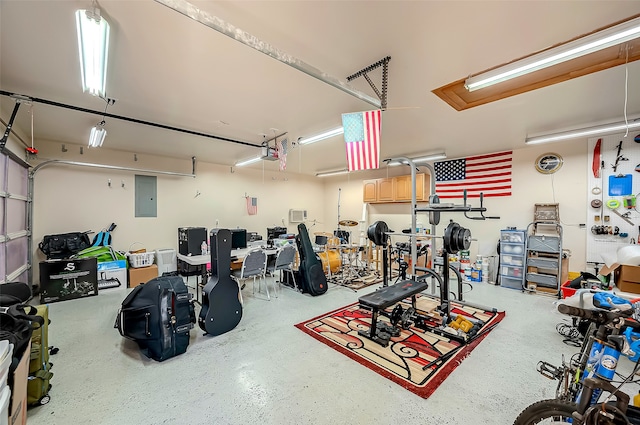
(221, 308)
(314, 280)
(158, 315)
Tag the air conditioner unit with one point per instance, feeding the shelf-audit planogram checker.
(297, 216)
(167, 261)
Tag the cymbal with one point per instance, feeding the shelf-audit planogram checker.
(348, 223)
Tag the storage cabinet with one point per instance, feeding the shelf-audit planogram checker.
(395, 189)
(403, 187)
(385, 190)
(512, 258)
(370, 191)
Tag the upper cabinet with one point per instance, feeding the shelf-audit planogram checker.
(395, 189)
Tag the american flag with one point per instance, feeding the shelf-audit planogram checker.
(281, 152)
(252, 205)
(362, 138)
(489, 174)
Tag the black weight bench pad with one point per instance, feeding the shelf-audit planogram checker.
(386, 297)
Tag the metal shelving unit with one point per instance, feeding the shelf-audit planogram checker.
(544, 251)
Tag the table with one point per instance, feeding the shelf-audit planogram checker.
(237, 255)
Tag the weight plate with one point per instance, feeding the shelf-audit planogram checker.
(396, 315)
(464, 238)
(434, 216)
(377, 233)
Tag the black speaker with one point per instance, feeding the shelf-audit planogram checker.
(190, 240)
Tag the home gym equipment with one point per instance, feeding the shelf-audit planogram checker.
(381, 299)
(221, 307)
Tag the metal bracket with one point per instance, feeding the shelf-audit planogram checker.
(385, 77)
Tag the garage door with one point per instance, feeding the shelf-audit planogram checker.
(14, 235)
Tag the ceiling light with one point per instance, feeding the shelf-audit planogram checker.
(93, 45)
(420, 159)
(598, 130)
(322, 136)
(97, 135)
(248, 161)
(603, 39)
(331, 173)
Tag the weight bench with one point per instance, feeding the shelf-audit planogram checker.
(386, 297)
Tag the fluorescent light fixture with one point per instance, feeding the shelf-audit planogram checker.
(331, 173)
(93, 45)
(598, 130)
(322, 136)
(600, 40)
(97, 135)
(248, 161)
(420, 159)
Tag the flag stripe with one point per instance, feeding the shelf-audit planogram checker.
(489, 174)
(362, 137)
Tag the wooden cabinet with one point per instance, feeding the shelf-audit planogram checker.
(395, 189)
(370, 192)
(385, 190)
(403, 188)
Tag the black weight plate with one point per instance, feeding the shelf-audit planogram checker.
(377, 233)
(434, 216)
(449, 237)
(464, 238)
(396, 315)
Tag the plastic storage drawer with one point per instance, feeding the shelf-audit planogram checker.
(511, 282)
(512, 260)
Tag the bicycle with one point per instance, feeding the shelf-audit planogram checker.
(589, 374)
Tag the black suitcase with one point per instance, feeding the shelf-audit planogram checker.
(158, 315)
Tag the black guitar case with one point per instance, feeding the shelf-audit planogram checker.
(314, 280)
(221, 308)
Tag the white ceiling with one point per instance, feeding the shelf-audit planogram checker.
(168, 69)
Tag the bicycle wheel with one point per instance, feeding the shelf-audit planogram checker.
(547, 412)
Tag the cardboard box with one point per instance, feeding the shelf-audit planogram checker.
(142, 275)
(627, 278)
(18, 408)
(112, 274)
(67, 279)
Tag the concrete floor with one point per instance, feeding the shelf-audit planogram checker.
(267, 371)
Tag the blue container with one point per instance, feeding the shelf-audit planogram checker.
(608, 362)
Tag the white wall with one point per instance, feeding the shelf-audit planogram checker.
(72, 198)
(567, 187)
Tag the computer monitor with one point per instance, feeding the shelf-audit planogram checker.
(238, 238)
(274, 233)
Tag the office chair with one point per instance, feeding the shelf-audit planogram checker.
(284, 263)
(254, 266)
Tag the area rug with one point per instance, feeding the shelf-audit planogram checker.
(403, 359)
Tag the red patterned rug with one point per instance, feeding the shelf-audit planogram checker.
(403, 359)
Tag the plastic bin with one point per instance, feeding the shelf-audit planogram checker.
(566, 291)
(142, 259)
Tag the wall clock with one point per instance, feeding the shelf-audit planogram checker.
(548, 163)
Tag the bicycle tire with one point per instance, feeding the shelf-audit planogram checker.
(554, 409)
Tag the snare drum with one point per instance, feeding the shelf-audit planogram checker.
(330, 261)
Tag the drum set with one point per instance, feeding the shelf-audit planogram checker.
(342, 259)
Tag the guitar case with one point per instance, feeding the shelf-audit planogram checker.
(158, 315)
(221, 308)
(313, 279)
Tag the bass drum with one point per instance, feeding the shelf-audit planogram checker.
(330, 261)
